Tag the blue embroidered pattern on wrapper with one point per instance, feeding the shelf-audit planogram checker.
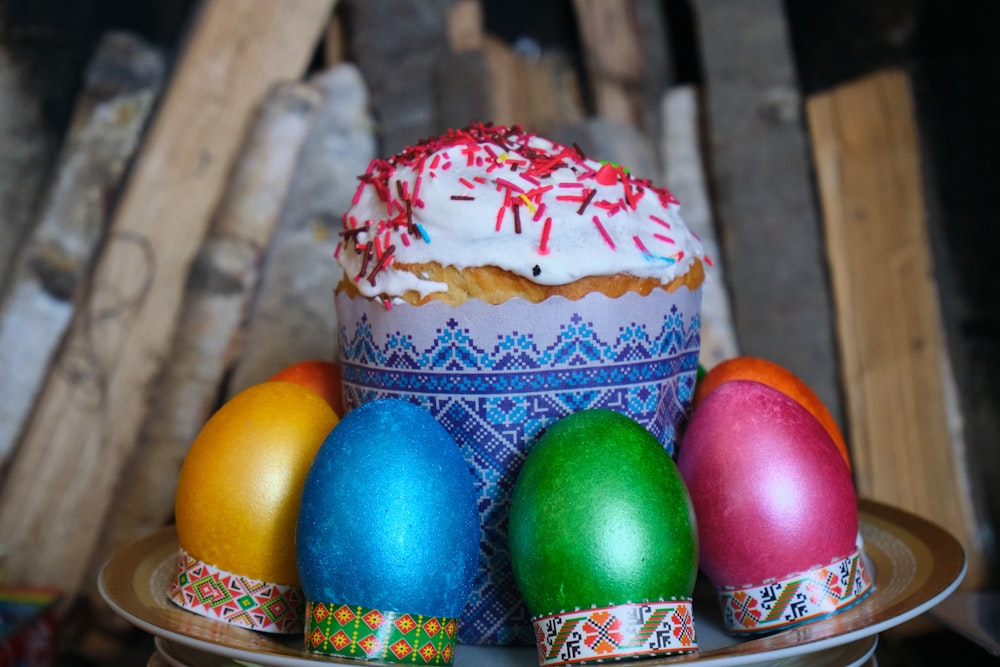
(494, 397)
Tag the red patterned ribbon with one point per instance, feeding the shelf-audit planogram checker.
(803, 597)
(361, 633)
(212, 592)
(610, 633)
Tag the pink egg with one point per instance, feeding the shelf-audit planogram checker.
(770, 490)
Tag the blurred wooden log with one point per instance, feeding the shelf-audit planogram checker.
(906, 447)
(29, 149)
(465, 26)
(292, 316)
(626, 54)
(461, 77)
(58, 488)
(542, 95)
(335, 41)
(397, 44)
(612, 140)
(120, 87)
(768, 219)
(219, 288)
(684, 176)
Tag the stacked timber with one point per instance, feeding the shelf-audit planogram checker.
(182, 249)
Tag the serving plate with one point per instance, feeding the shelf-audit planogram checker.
(915, 565)
(852, 654)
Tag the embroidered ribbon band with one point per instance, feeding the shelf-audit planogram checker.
(212, 592)
(610, 633)
(357, 632)
(803, 597)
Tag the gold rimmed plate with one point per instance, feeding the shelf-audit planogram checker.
(916, 564)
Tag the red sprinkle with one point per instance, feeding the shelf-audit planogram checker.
(510, 186)
(543, 244)
(416, 187)
(604, 232)
(538, 192)
(640, 245)
(660, 221)
(539, 212)
(629, 197)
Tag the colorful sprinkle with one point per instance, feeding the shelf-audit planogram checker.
(660, 221)
(540, 212)
(604, 232)
(423, 233)
(641, 246)
(543, 244)
(528, 173)
(527, 202)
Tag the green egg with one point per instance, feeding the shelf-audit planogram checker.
(599, 516)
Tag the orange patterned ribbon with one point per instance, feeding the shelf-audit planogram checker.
(803, 597)
(609, 633)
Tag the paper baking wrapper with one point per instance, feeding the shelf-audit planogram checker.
(496, 375)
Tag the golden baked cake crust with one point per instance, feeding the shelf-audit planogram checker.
(495, 285)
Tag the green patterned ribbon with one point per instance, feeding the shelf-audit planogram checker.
(352, 631)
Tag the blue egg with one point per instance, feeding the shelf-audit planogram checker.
(388, 516)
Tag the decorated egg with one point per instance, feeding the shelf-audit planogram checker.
(777, 377)
(319, 375)
(388, 537)
(237, 501)
(776, 508)
(602, 542)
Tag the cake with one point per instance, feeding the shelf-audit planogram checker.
(494, 213)
(503, 280)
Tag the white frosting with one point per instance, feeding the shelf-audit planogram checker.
(575, 216)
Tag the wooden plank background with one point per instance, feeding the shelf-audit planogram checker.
(58, 487)
(813, 210)
(897, 377)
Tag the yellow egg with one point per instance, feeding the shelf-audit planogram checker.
(239, 487)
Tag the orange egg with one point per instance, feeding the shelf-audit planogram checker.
(239, 487)
(777, 377)
(319, 375)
